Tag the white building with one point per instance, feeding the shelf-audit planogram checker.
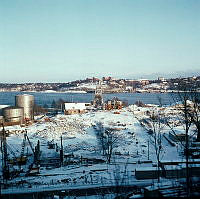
(162, 79)
(74, 108)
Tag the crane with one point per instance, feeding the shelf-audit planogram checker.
(5, 166)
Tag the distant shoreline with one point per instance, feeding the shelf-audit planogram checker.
(85, 92)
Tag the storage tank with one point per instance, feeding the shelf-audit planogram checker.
(27, 102)
(1, 120)
(1, 108)
(13, 114)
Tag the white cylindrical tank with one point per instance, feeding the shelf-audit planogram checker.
(1, 120)
(2, 107)
(13, 114)
(27, 102)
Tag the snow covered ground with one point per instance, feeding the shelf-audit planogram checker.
(79, 133)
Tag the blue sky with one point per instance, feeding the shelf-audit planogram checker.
(63, 40)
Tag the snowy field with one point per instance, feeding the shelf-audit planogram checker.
(133, 147)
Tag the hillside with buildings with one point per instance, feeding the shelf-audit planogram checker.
(109, 85)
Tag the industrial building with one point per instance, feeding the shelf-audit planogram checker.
(74, 108)
(113, 104)
(144, 173)
(168, 171)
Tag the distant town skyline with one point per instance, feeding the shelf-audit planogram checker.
(59, 41)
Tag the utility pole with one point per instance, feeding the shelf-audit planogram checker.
(148, 149)
(61, 152)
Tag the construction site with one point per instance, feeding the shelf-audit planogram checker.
(102, 149)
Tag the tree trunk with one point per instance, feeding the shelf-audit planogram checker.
(198, 133)
(109, 154)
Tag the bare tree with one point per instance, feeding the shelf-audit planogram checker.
(100, 136)
(39, 109)
(189, 97)
(194, 111)
(108, 140)
(157, 128)
(188, 114)
(139, 103)
(120, 175)
(111, 139)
